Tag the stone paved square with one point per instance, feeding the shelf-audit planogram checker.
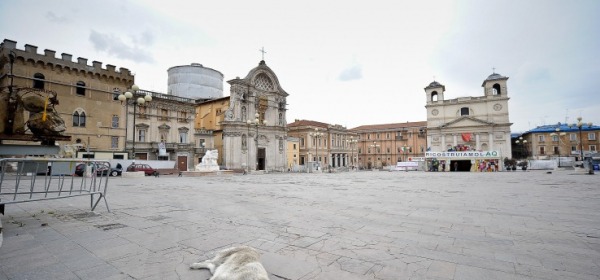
(353, 225)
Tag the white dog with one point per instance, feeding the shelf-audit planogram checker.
(236, 263)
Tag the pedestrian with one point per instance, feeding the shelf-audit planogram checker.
(455, 166)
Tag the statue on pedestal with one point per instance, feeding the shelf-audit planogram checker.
(209, 162)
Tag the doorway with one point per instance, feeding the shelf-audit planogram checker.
(460, 165)
(182, 163)
(260, 159)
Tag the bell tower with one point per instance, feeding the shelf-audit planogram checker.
(434, 92)
(495, 85)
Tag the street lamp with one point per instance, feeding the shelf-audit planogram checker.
(559, 135)
(522, 142)
(374, 145)
(580, 125)
(128, 97)
(316, 135)
(255, 123)
(352, 143)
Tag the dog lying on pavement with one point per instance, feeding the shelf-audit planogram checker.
(236, 263)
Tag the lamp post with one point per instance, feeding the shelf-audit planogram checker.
(316, 135)
(248, 123)
(352, 143)
(12, 98)
(522, 142)
(254, 123)
(559, 135)
(374, 145)
(579, 125)
(129, 97)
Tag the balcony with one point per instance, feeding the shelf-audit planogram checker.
(200, 150)
(173, 146)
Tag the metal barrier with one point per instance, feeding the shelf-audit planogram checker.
(27, 180)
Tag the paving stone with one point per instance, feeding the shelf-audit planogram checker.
(355, 225)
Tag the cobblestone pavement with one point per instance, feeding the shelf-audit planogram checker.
(355, 225)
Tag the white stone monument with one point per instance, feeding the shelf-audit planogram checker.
(209, 162)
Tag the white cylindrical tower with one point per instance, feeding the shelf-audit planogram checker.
(195, 81)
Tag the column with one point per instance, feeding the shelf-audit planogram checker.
(477, 144)
(491, 142)
(455, 140)
(429, 142)
(443, 142)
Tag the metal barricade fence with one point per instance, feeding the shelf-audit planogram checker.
(29, 179)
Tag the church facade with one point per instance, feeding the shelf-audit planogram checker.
(254, 125)
(468, 133)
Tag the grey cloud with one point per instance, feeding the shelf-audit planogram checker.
(54, 18)
(147, 38)
(351, 73)
(115, 46)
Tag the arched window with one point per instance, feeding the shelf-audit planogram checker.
(263, 82)
(38, 80)
(79, 118)
(80, 90)
(496, 90)
(434, 96)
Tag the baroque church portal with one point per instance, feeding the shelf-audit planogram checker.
(254, 126)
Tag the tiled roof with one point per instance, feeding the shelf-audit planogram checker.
(298, 123)
(389, 126)
(563, 127)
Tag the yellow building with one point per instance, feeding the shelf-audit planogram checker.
(558, 140)
(208, 125)
(86, 97)
(293, 153)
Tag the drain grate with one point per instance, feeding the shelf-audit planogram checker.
(110, 226)
(80, 216)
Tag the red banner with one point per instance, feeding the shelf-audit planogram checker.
(466, 136)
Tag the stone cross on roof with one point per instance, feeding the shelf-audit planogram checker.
(262, 50)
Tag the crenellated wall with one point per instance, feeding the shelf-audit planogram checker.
(65, 63)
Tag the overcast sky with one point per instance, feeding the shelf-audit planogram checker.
(343, 62)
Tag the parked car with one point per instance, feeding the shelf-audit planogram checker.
(148, 170)
(100, 168)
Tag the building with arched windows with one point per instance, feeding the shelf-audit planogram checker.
(85, 97)
(468, 133)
